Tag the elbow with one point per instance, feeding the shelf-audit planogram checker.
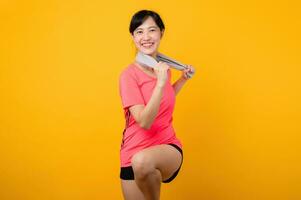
(144, 122)
(145, 125)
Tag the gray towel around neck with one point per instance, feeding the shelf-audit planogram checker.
(149, 61)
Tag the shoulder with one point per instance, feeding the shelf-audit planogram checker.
(128, 73)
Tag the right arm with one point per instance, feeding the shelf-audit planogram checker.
(145, 115)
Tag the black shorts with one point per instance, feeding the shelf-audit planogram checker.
(127, 173)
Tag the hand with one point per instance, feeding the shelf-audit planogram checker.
(161, 73)
(185, 72)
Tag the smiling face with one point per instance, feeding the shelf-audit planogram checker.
(147, 37)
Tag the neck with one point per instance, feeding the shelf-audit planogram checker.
(154, 55)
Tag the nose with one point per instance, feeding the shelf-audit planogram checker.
(146, 36)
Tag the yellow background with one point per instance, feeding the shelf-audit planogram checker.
(61, 118)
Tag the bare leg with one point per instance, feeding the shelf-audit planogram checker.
(149, 182)
(131, 191)
(152, 165)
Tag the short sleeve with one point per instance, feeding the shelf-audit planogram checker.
(129, 90)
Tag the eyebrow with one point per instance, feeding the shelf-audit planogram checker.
(147, 28)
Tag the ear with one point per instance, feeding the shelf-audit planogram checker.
(162, 33)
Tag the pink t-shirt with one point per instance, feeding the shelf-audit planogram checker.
(136, 87)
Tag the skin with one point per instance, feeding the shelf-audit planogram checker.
(156, 163)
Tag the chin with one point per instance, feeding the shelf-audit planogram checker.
(148, 52)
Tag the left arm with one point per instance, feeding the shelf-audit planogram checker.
(179, 84)
(182, 80)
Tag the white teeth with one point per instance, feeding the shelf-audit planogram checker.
(147, 44)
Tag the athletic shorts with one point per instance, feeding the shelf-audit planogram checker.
(127, 173)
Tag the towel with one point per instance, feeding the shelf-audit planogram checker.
(149, 61)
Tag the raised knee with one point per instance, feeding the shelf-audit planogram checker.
(142, 165)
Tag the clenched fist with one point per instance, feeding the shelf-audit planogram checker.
(161, 73)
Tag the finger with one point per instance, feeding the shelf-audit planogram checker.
(191, 69)
(166, 66)
(159, 64)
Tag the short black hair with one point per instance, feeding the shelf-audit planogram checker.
(140, 16)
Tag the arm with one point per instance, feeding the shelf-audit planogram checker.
(182, 80)
(179, 84)
(145, 115)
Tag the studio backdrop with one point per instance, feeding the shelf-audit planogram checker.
(61, 118)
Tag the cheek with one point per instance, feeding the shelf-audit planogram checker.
(157, 37)
(136, 40)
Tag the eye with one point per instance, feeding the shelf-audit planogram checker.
(139, 32)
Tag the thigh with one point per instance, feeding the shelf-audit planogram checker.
(131, 191)
(166, 158)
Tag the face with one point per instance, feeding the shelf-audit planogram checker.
(147, 37)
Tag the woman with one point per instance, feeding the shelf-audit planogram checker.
(150, 151)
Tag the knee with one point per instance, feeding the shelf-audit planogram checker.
(142, 166)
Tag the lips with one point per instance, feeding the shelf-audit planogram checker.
(147, 44)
